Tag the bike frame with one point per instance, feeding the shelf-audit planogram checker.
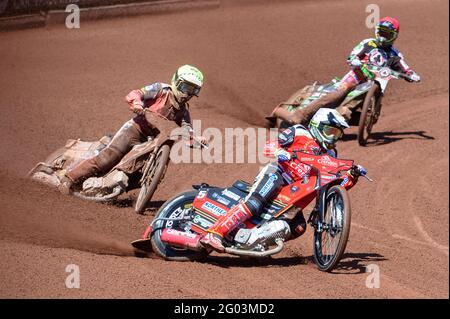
(325, 172)
(383, 75)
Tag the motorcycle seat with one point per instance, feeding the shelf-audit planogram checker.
(242, 186)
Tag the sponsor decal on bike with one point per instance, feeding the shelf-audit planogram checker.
(294, 189)
(326, 160)
(202, 222)
(279, 203)
(385, 72)
(275, 207)
(201, 194)
(231, 195)
(223, 201)
(174, 215)
(344, 181)
(300, 169)
(220, 199)
(307, 159)
(171, 231)
(216, 210)
(283, 198)
(268, 185)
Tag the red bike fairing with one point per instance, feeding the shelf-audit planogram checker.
(301, 192)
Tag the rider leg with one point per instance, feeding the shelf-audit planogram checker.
(127, 136)
(333, 99)
(266, 186)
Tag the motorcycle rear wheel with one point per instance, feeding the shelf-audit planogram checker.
(172, 209)
(329, 244)
(153, 178)
(367, 118)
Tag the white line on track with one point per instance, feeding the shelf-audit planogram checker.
(428, 237)
(429, 241)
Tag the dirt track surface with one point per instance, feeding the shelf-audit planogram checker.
(58, 84)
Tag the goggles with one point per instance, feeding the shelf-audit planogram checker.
(188, 88)
(332, 133)
(388, 34)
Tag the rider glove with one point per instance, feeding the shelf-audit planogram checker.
(282, 155)
(138, 108)
(415, 77)
(356, 63)
(357, 171)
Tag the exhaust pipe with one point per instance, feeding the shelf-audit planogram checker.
(250, 253)
(181, 239)
(191, 241)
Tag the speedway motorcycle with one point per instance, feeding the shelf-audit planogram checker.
(176, 229)
(144, 167)
(363, 102)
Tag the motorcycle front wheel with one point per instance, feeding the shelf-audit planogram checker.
(368, 113)
(330, 242)
(153, 177)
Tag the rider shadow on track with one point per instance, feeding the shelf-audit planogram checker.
(382, 138)
(356, 263)
(244, 262)
(351, 263)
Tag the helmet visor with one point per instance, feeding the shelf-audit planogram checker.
(188, 88)
(332, 133)
(386, 33)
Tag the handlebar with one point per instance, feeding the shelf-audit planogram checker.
(375, 68)
(361, 172)
(357, 169)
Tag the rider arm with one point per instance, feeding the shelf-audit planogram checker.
(401, 64)
(360, 51)
(186, 124)
(186, 121)
(136, 98)
(403, 67)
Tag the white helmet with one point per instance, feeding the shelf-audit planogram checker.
(187, 82)
(327, 126)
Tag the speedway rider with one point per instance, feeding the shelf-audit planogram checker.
(379, 51)
(157, 106)
(325, 128)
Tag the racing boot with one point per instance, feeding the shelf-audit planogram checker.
(225, 224)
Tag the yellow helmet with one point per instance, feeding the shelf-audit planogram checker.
(187, 80)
